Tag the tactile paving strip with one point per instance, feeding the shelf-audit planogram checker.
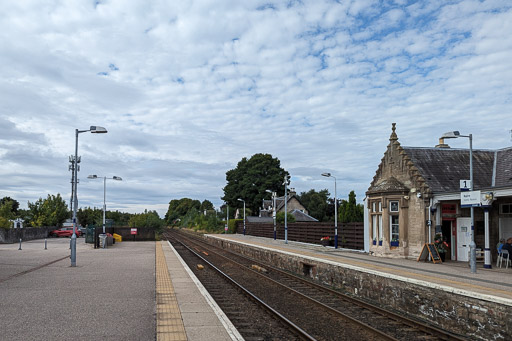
(169, 324)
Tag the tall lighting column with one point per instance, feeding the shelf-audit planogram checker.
(472, 244)
(286, 183)
(244, 212)
(274, 194)
(118, 178)
(94, 130)
(328, 175)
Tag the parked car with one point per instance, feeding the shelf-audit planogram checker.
(65, 232)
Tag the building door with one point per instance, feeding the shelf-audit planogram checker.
(463, 238)
(446, 229)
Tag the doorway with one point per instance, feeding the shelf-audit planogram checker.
(463, 238)
(446, 231)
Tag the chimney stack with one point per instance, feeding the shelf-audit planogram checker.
(442, 144)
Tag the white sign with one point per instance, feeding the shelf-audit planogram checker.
(465, 185)
(470, 199)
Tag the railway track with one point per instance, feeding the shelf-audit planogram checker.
(322, 312)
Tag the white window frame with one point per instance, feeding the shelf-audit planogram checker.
(391, 202)
(391, 233)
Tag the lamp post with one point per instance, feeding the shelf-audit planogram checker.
(286, 183)
(94, 130)
(274, 194)
(118, 178)
(328, 175)
(244, 213)
(472, 245)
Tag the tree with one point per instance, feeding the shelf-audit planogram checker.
(316, 203)
(149, 219)
(14, 205)
(89, 216)
(206, 205)
(290, 218)
(6, 209)
(250, 180)
(52, 211)
(351, 211)
(179, 208)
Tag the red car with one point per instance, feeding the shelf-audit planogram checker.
(65, 232)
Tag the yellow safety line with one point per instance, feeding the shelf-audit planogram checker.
(380, 268)
(169, 324)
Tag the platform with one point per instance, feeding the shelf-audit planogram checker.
(493, 284)
(130, 291)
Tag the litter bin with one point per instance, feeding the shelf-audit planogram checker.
(103, 240)
(89, 234)
(110, 239)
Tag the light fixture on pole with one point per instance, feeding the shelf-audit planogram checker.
(274, 194)
(94, 176)
(286, 182)
(94, 130)
(472, 245)
(244, 212)
(328, 175)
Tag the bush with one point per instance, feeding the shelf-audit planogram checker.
(5, 223)
(280, 218)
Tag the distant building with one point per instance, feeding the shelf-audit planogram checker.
(293, 206)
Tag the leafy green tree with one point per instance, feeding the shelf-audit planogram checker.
(52, 211)
(316, 203)
(280, 218)
(179, 208)
(351, 211)
(206, 205)
(149, 219)
(250, 180)
(14, 205)
(90, 216)
(6, 209)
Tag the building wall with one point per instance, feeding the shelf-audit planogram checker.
(412, 209)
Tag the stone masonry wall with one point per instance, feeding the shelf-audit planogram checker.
(477, 319)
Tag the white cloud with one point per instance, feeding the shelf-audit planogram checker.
(186, 89)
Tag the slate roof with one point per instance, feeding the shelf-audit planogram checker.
(504, 167)
(301, 216)
(443, 168)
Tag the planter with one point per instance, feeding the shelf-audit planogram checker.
(325, 242)
(394, 244)
(380, 242)
(374, 242)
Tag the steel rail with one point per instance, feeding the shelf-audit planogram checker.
(300, 332)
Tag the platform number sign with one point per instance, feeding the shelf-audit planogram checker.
(465, 185)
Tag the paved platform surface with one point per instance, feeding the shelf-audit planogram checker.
(126, 292)
(492, 284)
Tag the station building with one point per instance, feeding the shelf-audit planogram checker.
(416, 193)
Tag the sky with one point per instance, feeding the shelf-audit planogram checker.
(186, 89)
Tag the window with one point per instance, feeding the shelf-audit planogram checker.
(506, 208)
(395, 228)
(376, 214)
(393, 206)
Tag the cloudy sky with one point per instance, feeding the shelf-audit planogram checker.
(188, 88)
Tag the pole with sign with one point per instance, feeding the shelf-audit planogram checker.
(133, 231)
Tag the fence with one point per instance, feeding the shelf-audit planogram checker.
(350, 235)
(143, 233)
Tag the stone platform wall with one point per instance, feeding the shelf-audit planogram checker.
(475, 318)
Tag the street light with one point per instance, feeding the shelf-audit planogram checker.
(472, 245)
(328, 175)
(118, 178)
(274, 194)
(244, 212)
(286, 182)
(94, 130)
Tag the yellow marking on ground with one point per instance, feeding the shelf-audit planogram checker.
(169, 324)
(384, 269)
